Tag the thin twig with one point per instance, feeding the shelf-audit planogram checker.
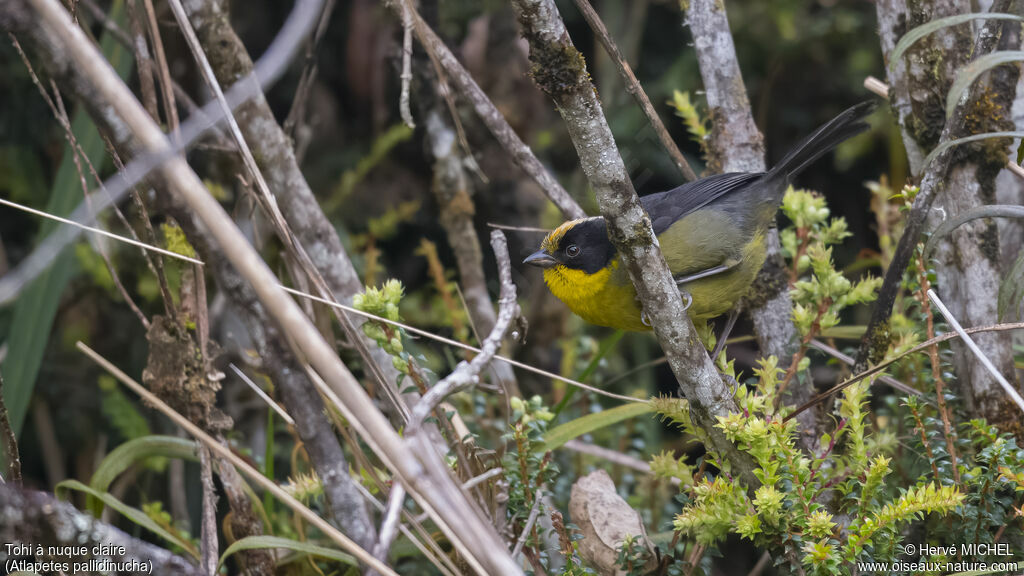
(102, 232)
(436, 556)
(848, 360)
(389, 527)
(208, 539)
(530, 520)
(882, 366)
(634, 87)
(1013, 394)
(477, 480)
(520, 153)
(263, 395)
(253, 474)
(618, 458)
(467, 374)
(12, 454)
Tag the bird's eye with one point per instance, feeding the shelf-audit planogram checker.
(572, 250)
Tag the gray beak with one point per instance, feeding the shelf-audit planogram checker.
(540, 259)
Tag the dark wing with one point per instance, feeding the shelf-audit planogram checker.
(667, 207)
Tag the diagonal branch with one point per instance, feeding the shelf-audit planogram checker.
(634, 87)
(521, 154)
(467, 374)
(563, 76)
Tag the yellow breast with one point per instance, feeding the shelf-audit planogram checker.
(605, 298)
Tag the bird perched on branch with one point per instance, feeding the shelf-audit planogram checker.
(711, 231)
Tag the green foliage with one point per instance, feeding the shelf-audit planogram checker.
(384, 302)
(303, 549)
(120, 411)
(152, 517)
(174, 238)
(528, 467)
(698, 127)
(786, 514)
(559, 435)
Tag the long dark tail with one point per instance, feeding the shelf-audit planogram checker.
(847, 124)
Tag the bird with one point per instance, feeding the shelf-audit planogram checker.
(712, 232)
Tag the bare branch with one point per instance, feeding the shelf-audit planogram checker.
(389, 528)
(467, 374)
(208, 539)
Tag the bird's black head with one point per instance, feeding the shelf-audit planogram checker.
(578, 244)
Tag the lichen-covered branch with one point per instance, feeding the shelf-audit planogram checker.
(31, 518)
(560, 71)
(957, 179)
(736, 145)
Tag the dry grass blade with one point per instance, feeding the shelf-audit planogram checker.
(254, 475)
(882, 366)
(263, 395)
(99, 231)
(1013, 394)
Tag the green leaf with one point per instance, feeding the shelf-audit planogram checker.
(305, 548)
(134, 514)
(132, 452)
(558, 436)
(968, 74)
(985, 211)
(951, 143)
(923, 30)
(606, 346)
(36, 306)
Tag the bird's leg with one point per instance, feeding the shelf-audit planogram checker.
(729, 323)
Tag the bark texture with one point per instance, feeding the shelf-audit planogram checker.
(968, 262)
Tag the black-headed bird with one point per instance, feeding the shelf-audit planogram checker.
(711, 231)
